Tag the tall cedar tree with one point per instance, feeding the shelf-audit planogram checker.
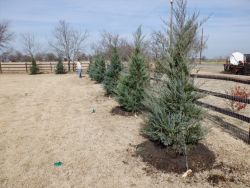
(60, 67)
(34, 68)
(99, 69)
(113, 72)
(91, 69)
(90, 64)
(173, 118)
(131, 88)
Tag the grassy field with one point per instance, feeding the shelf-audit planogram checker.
(48, 118)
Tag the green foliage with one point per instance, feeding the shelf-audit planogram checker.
(90, 63)
(97, 69)
(131, 88)
(173, 118)
(34, 68)
(100, 69)
(91, 69)
(60, 67)
(113, 72)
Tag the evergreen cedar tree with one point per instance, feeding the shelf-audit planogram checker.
(113, 72)
(97, 69)
(173, 118)
(91, 69)
(34, 68)
(60, 67)
(130, 90)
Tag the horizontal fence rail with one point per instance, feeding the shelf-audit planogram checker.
(215, 77)
(225, 112)
(216, 94)
(222, 77)
(243, 135)
(44, 67)
(225, 96)
(230, 128)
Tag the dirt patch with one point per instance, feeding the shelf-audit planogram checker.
(222, 173)
(215, 179)
(42, 121)
(165, 159)
(225, 168)
(118, 110)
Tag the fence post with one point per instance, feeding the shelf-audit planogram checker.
(50, 66)
(0, 67)
(26, 68)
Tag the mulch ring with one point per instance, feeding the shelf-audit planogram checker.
(165, 159)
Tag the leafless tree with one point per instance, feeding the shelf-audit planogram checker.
(30, 44)
(159, 44)
(104, 46)
(125, 49)
(109, 40)
(68, 41)
(5, 35)
(5, 56)
(160, 40)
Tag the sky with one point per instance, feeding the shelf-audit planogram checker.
(227, 29)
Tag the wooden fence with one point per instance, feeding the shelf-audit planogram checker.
(44, 67)
(49, 67)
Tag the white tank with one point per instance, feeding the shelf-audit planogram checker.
(236, 57)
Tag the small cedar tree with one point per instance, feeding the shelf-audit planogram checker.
(131, 88)
(98, 70)
(60, 67)
(34, 68)
(113, 72)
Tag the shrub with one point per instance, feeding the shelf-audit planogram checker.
(97, 70)
(34, 68)
(173, 118)
(60, 67)
(131, 88)
(240, 92)
(113, 72)
(91, 69)
(90, 62)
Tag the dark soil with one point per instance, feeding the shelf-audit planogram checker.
(165, 159)
(226, 169)
(120, 111)
(227, 174)
(215, 179)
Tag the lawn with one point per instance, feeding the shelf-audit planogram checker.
(49, 118)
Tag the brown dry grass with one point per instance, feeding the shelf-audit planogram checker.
(47, 118)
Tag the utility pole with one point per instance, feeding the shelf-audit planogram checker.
(171, 23)
(201, 47)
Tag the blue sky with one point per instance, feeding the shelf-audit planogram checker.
(228, 28)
